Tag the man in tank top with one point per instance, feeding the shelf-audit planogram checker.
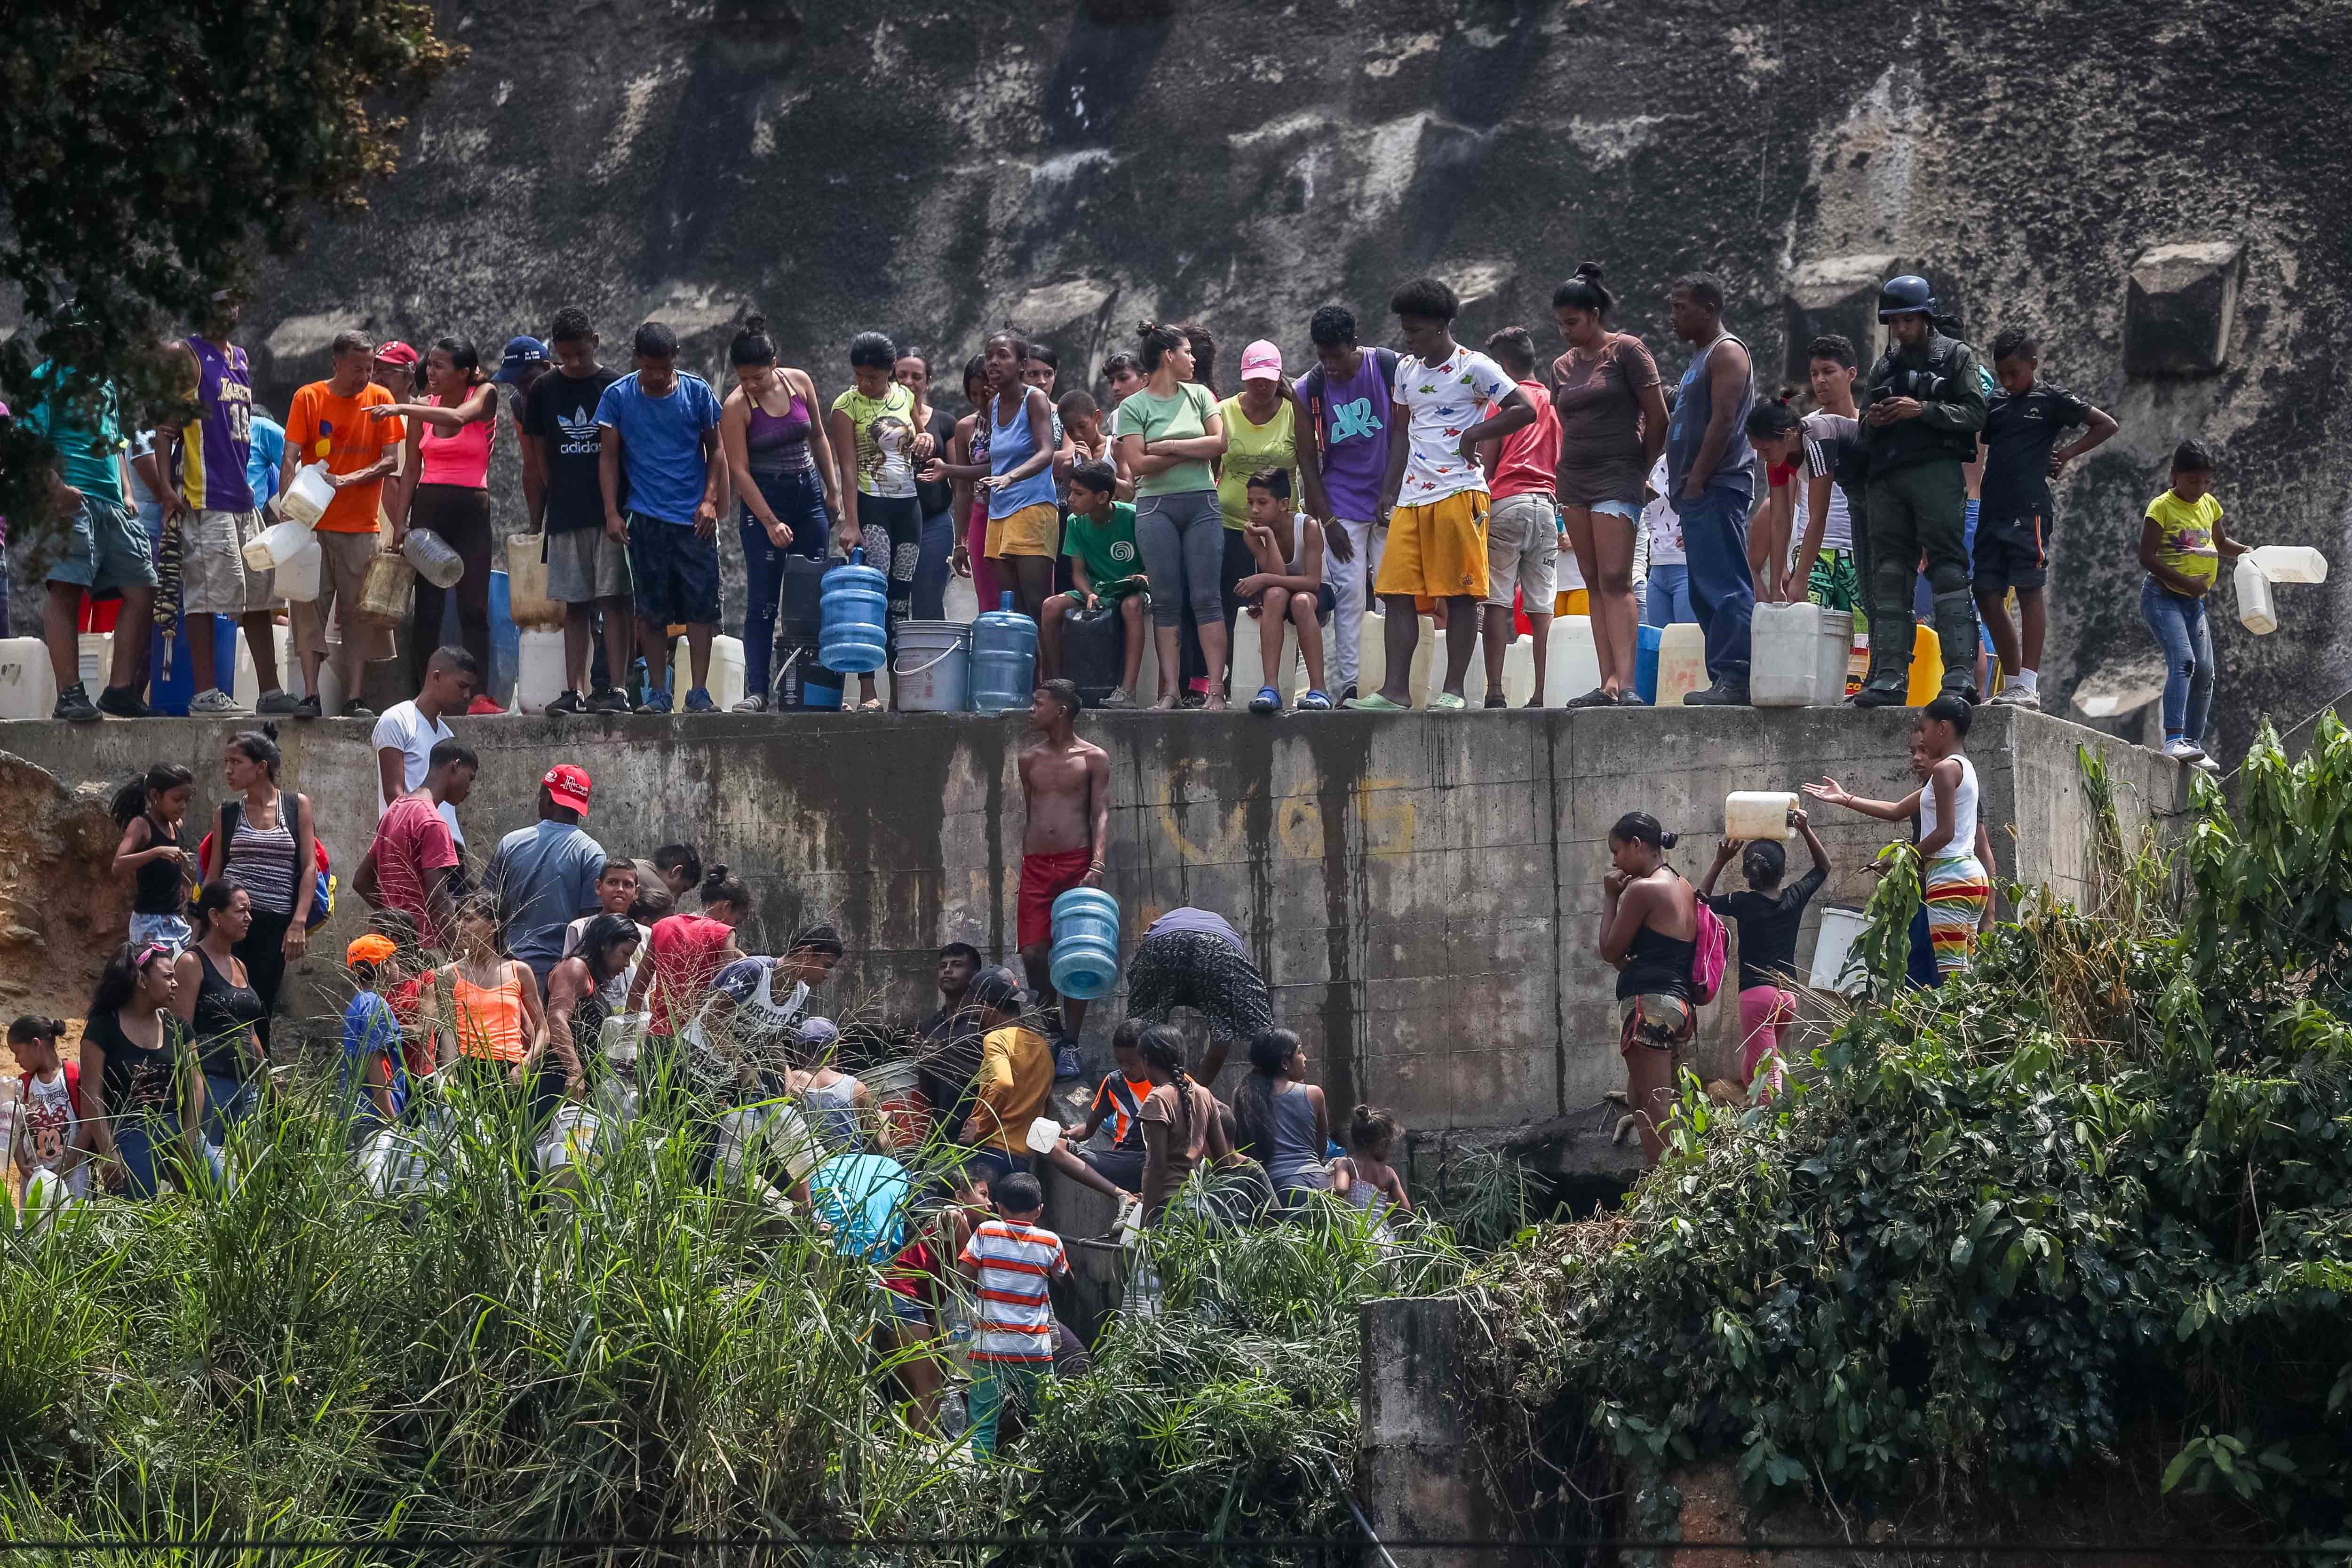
(1711, 475)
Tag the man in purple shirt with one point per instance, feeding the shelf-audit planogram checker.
(1346, 438)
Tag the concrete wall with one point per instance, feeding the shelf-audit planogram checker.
(1422, 892)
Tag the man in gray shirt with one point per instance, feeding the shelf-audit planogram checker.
(545, 876)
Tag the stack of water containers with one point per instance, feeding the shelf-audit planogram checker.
(1004, 659)
(1085, 961)
(854, 617)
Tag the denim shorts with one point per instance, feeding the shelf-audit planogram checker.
(108, 551)
(676, 574)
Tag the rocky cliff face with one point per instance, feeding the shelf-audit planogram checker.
(933, 171)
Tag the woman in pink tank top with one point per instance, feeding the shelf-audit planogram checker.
(450, 439)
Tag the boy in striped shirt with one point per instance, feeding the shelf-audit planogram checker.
(1010, 1259)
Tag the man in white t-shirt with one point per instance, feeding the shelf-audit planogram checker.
(1434, 502)
(406, 735)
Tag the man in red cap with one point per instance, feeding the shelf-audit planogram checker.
(545, 876)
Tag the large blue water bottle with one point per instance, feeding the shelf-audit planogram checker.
(851, 639)
(1645, 661)
(1004, 659)
(1086, 943)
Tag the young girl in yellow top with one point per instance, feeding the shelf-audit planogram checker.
(2183, 544)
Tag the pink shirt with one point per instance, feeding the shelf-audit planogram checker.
(460, 458)
(1525, 463)
(686, 960)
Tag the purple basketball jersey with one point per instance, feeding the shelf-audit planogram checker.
(215, 446)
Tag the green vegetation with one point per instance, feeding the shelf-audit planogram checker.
(2100, 1189)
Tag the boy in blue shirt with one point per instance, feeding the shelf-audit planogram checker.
(375, 1084)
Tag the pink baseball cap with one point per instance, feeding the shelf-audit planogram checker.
(1262, 361)
(394, 352)
(568, 787)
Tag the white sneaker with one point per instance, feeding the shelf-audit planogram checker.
(2015, 697)
(2181, 749)
(212, 702)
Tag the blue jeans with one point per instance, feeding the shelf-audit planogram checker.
(932, 570)
(1668, 600)
(148, 1146)
(1715, 538)
(2187, 639)
(798, 502)
(227, 1103)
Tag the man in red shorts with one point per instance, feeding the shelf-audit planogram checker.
(1065, 783)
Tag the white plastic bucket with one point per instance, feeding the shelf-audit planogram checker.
(932, 670)
(1840, 927)
(276, 544)
(1682, 662)
(307, 499)
(726, 684)
(1836, 654)
(95, 651)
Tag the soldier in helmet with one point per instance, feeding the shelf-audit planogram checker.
(1921, 408)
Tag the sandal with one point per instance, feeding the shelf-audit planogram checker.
(873, 705)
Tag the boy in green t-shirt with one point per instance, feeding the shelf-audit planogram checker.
(1100, 543)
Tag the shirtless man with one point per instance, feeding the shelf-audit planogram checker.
(1067, 784)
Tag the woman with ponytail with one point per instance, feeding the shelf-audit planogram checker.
(1181, 1126)
(1774, 421)
(1612, 425)
(1649, 933)
(450, 436)
(150, 810)
(786, 481)
(1168, 433)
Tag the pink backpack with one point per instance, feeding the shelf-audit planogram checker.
(1709, 948)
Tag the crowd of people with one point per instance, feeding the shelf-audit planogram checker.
(1477, 488)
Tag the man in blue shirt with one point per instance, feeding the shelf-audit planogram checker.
(661, 427)
(545, 876)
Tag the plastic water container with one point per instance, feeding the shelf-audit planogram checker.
(821, 690)
(1571, 660)
(931, 671)
(527, 601)
(726, 669)
(307, 498)
(275, 545)
(2289, 562)
(1645, 662)
(435, 560)
(298, 574)
(94, 653)
(540, 675)
(2257, 605)
(1784, 667)
(168, 689)
(1927, 667)
(1004, 659)
(1757, 813)
(1840, 927)
(388, 590)
(1372, 660)
(851, 639)
(1084, 964)
(1682, 662)
(1836, 654)
(1042, 1134)
(289, 669)
(902, 1111)
(28, 686)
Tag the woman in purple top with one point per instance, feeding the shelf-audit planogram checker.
(1612, 425)
(784, 470)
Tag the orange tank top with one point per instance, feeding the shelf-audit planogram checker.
(490, 1017)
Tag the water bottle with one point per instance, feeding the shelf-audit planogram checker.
(1084, 964)
(1004, 659)
(854, 611)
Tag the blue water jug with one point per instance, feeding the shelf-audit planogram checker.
(1645, 661)
(170, 692)
(1004, 659)
(856, 610)
(1086, 943)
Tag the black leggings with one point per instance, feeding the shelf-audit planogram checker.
(460, 514)
(263, 953)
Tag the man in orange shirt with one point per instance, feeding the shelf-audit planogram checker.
(329, 422)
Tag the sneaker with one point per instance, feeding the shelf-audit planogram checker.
(1880, 696)
(2011, 697)
(308, 708)
(2208, 764)
(1267, 700)
(1194, 700)
(279, 704)
(2180, 748)
(357, 710)
(123, 702)
(569, 702)
(1596, 698)
(1446, 702)
(657, 701)
(212, 702)
(1375, 703)
(1065, 1059)
(483, 708)
(610, 699)
(1315, 702)
(756, 704)
(699, 701)
(1119, 698)
(1722, 694)
(74, 704)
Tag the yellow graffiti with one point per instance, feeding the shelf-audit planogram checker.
(1383, 807)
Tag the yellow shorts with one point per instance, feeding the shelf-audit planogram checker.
(1438, 550)
(1032, 531)
(1573, 601)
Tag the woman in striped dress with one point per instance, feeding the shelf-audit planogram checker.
(264, 840)
(1954, 850)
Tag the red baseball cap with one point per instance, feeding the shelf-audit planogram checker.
(395, 352)
(568, 787)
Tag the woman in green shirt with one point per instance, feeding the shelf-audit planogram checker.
(1168, 433)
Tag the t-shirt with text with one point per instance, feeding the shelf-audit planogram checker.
(324, 427)
(1440, 402)
(1352, 415)
(661, 443)
(559, 413)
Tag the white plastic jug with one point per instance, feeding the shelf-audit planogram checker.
(1757, 813)
(540, 675)
(298, 574)
(1682, 662)
(1043, 1133)
(2290, 562)
(1784, 666)
(276, 544)
(307, 498)
(96, 651)
(28, 688)
(1372, 659)
(2257, 607)
(1571, 660)
(726, 684)
(1836, 657)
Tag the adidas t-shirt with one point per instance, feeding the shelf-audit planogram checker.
(560, 412)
